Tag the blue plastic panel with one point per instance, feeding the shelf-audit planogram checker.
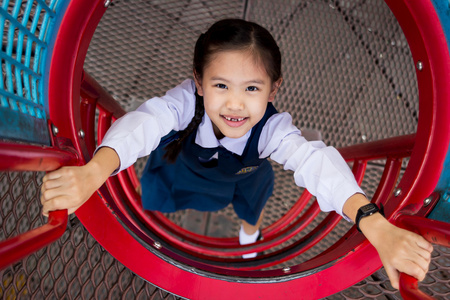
(441, 211)
(443, 10)
(27, 27)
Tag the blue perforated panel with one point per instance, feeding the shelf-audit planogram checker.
(27, 28)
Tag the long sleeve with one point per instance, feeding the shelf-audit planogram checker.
(139, 132)
(319, 168)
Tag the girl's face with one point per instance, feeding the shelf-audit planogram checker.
(236, 90)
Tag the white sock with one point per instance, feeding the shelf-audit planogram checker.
(245, 239)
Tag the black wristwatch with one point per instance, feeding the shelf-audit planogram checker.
(365, 211)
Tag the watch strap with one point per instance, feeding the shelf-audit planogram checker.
(365, 211)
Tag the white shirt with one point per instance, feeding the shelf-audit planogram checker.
(319, 168)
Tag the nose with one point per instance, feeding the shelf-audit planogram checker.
(235, 102)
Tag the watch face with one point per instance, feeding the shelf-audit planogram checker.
(367, 208)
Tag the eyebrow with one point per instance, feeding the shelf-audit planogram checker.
(256, 81)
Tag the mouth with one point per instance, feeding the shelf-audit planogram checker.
(234, 121)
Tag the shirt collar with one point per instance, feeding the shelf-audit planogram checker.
(206, 138)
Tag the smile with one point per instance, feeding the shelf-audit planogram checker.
(234, 119)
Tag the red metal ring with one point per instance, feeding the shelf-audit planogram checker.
(427, 42)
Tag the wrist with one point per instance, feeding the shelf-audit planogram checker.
(93, 176)
(366, 211)
(371, 222)
(374, 227)
(104, 163)
(353, 204)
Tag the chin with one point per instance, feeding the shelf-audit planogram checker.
(234, 135)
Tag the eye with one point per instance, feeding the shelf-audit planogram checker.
(251, 89)
(221, 86)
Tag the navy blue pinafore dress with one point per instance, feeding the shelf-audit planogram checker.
(194, 181)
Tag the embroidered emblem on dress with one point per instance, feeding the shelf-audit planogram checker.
(246, 170)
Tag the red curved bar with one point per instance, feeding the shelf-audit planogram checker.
(91, 89)
(21, 157)
(22, 245)
(428, 45)
(104, 122)
(388, 180)
(409, 288)
(398, 147)
(307, 242)
(133, 177)
(162, 228)
(434, 231)
(284, 221)
(284, 235)
(87, 110)
(93, 96)
(270, 232)
(359, 169)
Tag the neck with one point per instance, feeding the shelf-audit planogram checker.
(219, 135)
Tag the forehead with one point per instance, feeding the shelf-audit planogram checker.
(238, 64)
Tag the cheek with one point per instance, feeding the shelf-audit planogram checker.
(210, 107)
(212, 101)
(258, 109)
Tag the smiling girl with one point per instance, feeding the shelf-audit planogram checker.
(209, 140)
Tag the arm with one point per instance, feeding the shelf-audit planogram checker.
(139, 132)
(70, 187)
(323, 171)
(399, 250)
(134, 135)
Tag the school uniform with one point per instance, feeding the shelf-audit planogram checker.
(209, 179)
(209, 173)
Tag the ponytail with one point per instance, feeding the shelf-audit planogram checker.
(174, 147)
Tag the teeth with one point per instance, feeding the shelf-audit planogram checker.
(234, 120)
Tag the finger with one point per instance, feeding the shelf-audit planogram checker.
(55, 203)
(42, 192)
(42, 198)
(55, 174)
(424, 244)
(45, 178)
(44, 195)
(413, 269)
(51, 194)
(418, 253)
(58, 204)
(422, 263)
(424, 254)
(50, 176)
(51, 180)
(53, 183)
(394, 276)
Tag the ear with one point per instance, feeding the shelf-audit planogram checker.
(275, 87)
(198, 84)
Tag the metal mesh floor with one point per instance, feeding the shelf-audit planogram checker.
(347, 69)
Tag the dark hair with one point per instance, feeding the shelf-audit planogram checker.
(227, 35)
